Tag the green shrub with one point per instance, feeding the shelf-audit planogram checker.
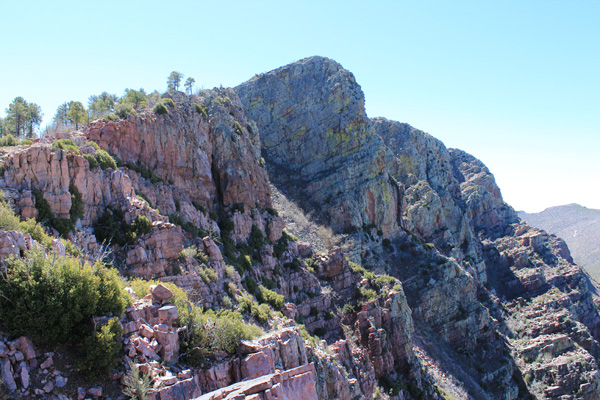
(208, 274)
(272, 211)
(160, 108)
(168, 102)
(257, 238)
(201, 110)
(105, 160)
(238, 207)
(226, 225)
(230, 288)
(70, 247)
(44, 211)
(137, 384)
(211, 332)
(76, 210)
(245, 262)
(348, 308)
(356, 268)
(250, 285)
(329, 315)
(37, 232)
(370, 294)
(101, 349)
(237, 127)
(26, 142)
(63, 226)
(55, 299)
(66, 145)
(45, 215)
(124, 110)
(93, 144)
(8, 220)
(226, 301)
(265, 295)
(199, 207)
(141, 225)
(111, 227)
(383, 280)
(8, 140)
(91, 159)
(143, 197)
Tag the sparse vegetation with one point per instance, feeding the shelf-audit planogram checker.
(55, 299)
(137, 384)
(112, 228)
(66, 145)
(8, 140)
(46, 216)
(101, 349)
(160, 108)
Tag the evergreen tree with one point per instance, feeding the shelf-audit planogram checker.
(62, 114)
(174, 80)
(102, 104)
(34, 118)
(189, 85)
(137, 98)
(76, 113)
(17, 116)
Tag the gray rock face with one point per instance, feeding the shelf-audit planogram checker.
(315, 131)
(484, 204)
(432, 198)
(578, 226)
(448, 194)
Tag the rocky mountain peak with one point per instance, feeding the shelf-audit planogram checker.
(438, 290)
(315, 132)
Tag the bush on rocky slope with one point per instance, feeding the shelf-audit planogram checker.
(208, 332)
(55, 298)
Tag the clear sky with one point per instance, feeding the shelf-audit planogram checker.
(515, 83)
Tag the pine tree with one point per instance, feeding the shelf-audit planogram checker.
(189, 85)
(174, 80)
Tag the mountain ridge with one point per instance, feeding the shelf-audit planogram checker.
(439, 290)
(579, 226)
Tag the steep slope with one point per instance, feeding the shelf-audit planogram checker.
(458, 291)
(578, 226)
(443, 293)
(314, 128)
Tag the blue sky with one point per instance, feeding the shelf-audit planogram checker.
(514, 83)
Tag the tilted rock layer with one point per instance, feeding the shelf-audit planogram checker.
(455, 298)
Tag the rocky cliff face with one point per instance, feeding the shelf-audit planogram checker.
(578, 226)
(442, 196)
(314, 129)
(448, 294)
(206, 158)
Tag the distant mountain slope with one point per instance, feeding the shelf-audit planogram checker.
(578, 226)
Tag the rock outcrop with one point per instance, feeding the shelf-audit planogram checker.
(203, 159)
(436, 291)
(314, 129)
